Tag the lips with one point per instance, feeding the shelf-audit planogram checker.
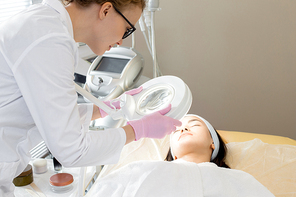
(183, 135)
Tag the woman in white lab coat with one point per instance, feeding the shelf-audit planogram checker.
(38, 56)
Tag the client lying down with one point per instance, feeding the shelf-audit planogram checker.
(194, 167)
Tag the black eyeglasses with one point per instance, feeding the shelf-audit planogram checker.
(128, 31)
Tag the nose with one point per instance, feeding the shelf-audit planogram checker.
(184, 129)
(120, 42)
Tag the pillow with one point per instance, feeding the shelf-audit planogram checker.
(273, 165)
(238, 136)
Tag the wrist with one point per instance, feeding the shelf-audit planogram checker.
(137, 126)
(130, 133)
(96, 113)
(103, 114)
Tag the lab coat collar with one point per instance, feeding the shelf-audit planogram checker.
(59, 7)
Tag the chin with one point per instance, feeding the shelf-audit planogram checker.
(97, 50)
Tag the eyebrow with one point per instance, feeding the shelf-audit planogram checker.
(193, 120)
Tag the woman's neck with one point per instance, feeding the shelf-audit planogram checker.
(82, 19)
(195, 158)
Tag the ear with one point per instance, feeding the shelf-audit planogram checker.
(105, 10)
(213, 146)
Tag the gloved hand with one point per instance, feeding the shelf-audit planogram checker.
(116, 104)
(155, 125)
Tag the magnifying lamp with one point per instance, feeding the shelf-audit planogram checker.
(157, 94)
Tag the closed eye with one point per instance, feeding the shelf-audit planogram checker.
(197, 125)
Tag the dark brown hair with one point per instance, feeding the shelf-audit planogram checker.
(220, 158)
(119, 4)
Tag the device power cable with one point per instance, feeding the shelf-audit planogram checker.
(143, 29)
(149, 16)
(153, 45)
(133, 41)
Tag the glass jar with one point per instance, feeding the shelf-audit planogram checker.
(40, 166)
(61, 182)
(25, 178)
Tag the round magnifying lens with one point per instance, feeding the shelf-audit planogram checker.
(155, 99)
(157, 94)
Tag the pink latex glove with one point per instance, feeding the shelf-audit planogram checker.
(155, 125)
(117, 103)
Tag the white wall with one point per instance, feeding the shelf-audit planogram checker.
(237, 57)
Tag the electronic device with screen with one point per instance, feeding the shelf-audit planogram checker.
(114, 72)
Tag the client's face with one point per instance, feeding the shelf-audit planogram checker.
(192, 138)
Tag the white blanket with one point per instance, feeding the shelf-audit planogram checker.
(178, 178)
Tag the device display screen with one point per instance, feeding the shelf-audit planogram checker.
(110, 64)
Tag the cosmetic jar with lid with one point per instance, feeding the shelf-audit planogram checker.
(61, 182)
(40, 166)
(25, 178)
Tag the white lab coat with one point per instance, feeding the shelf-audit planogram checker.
(38, 101)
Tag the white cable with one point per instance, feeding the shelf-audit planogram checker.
(153, 45)
(147, 17)
(159, 73)
(147, 43)
(142, 26)
(148, 14)
(149, 36)
(133, 40)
